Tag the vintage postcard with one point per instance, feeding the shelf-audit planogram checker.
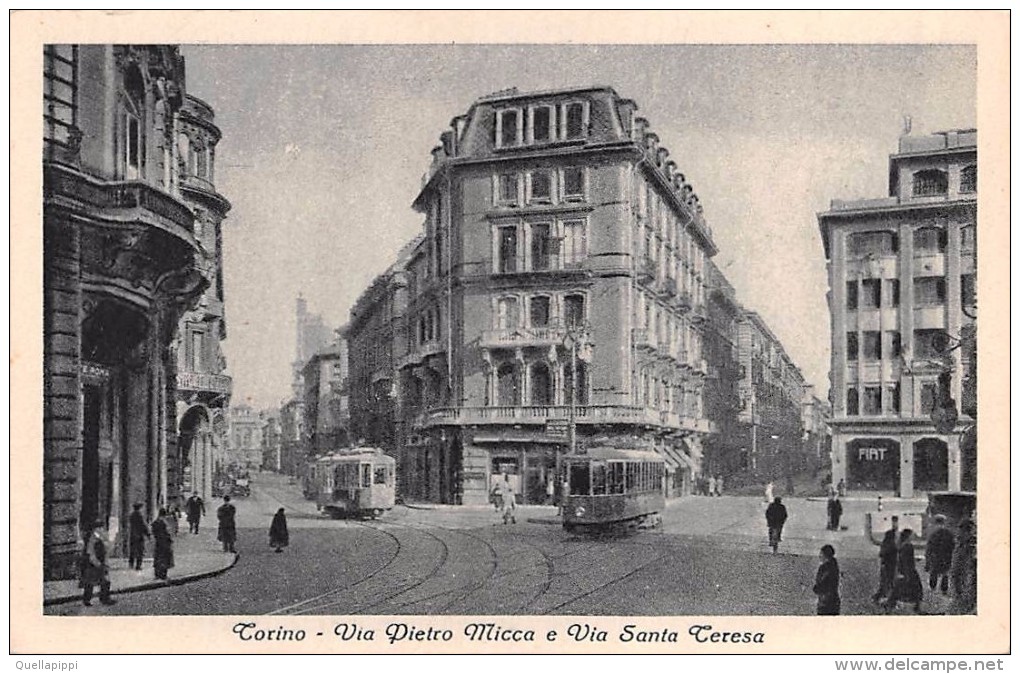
(510, 332)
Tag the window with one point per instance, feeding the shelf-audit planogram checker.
(580, 479)
(852, 349)
(892, 292)
(893, 347)
(574, 122)
(891, 400)
(582, 383)
(598, 479)
(930, 182)
(929, 240)
(507, 262)
(872, 400)
(573, 310)
(60, 93)
(538, 311)
(929, 290)
(862, 244)
(968, 292)
(872, 345)
(195, 348)
(851, 295)
(509, 316)
(929, 396)
(380, 475)
(852, 404)
(542, 247)
(508, 385)
(366, 475)
(131, 147)
(871, 293)
(506, 189)
(541, 124)
(541, 385)
(968, 179)
(539, 187)
(508, 128)
(575, 242)
(573, 184)
(967, 237)
(928, 344)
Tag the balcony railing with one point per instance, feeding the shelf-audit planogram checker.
(420, 352)
(204, 382)
(539, 415)
(531, 336)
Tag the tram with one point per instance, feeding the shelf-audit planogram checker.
(360, 482)
(612, 490)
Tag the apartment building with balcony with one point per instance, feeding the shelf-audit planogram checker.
(553, 220)
(902, 273)
(123, 260)
(327, 413)
(203, 388)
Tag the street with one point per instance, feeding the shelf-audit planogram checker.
(464, 561)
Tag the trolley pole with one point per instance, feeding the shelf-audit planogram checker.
(573, 395)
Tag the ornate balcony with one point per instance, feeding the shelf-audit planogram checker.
(507, 338)
(420, 352)
(204, 383)
(539, 415)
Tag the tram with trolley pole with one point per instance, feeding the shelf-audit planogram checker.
(359, 482)
(613, 490)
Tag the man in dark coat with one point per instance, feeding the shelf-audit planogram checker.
(775, 518)
(279, 538)
(887, 562)
(93, 567)
(227, 533)
(908, 582)
(827, 582)
(196, 508)
(163, 555)
(137, 533)
(938, 555)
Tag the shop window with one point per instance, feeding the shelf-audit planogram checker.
(871, 293)
(929, 291)
(930, 182)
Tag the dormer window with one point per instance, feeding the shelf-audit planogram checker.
(968, 179)
(542, 124)
(930, 182)
(508, 128)
(575, 120)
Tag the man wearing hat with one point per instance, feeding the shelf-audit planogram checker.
(938, 555)
(138, 531)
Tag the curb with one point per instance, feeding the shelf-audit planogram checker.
(543, 520)
(151, 585)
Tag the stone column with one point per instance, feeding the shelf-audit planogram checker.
(907, 465)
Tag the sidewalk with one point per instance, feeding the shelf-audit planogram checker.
(195, 557)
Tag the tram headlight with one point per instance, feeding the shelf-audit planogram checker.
(579, 512)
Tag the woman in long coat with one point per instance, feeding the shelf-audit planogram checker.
(278, 536)
(163, 555)
(827, 582)
(908, 582)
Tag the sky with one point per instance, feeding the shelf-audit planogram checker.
(324, 146)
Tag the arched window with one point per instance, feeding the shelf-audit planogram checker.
(509, 386)
(930, 182)
(968, 179)
(541, 384)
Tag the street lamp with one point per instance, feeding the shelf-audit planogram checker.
(578, 340)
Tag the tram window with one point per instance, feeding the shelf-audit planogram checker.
(616, 473)
(580, 479)
(366, 475)
(380, 474)
(598, 479)
(632, 478)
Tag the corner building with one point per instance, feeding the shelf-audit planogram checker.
(122, 264)
(901, 295)
(551, 219)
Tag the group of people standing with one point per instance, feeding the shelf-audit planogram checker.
(709, 486)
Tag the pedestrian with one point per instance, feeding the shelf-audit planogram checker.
(196, 508)
(964, 569)
(775, 518)
(769, 489)
(711, 485)
(509, 500)
(137, 533)
(827, 582)
(163, 555)
(227, 533)
(718, 485)
(174, 516)
(93, 569)
(907, 587)
(887, 562)
(278, 536)
(550, 491)
(841, 488)
(938, 555)
(837, 513)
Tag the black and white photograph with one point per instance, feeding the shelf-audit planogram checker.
(386, 332)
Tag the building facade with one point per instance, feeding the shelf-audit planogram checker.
(327, 413)
(244, 442)
(203, 388)
(902, 272)
(293, 450)
(272, 455)
(562, 267)
(121, 265)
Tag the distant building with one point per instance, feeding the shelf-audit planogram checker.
(327, 415)
(272, 456)
(902, 279)
(293, 447)
(244, 447)
(123, 260)
(312, 336)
